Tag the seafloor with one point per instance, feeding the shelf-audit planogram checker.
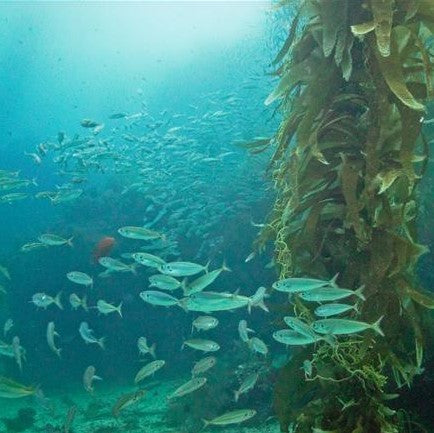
(94, 414)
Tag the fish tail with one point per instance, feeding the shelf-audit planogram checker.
(333, 280)
(58, 351)
(69, 241)
(206, 423)
(34, 181)
(184, 286)
(101, 342)
(376, 326)
(359, 292)
(225, 267)
(119, 309)
(207, 266)
(152, 351)
(133, 268)
(57, 300)
(236, 396)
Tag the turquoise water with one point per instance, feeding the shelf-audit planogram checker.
(170, 89)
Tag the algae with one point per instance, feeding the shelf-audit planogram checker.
(348, 156)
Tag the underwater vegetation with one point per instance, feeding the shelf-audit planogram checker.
(24, 420)
(348, 156)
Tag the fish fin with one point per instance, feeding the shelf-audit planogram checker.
(181, 303)
(207, 266)
(359, 292)
(251, 330)
(34, 182)
(152, 350)
(236, 396)
(95, 377)
(69, 241)
(225, 267)
(119, 309)
(57, 300)
(101, 342)
(332, 282)
(184, 286)
(58, 352)
(376, 326)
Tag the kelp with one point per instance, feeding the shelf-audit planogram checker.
(348, 156)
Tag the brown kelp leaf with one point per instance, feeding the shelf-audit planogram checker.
(289, 40)
(363, 28)
(257, 145)
(347, 59)
(383, 16)
(295, 74)
(333, 15)
(392, 72)
(422, 297)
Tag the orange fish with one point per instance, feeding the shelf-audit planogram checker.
(103, 248)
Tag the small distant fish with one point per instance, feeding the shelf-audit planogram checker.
(143, 347)
(147, 259)
(203, 345)
(203, 365)
(233, 417)
(257, 345)
(88, 336)
(76, 302)
(103, 248)
(299, 326)
(88, 377)
(81, 278)
(105, 308)
(89, 123)
(165, 282)
(345, 326)
(51, 333)
(30, 246)
(297, 285)
(158, 298)
(192, 385)
(182, 269)
(8, 326)
(118, 115)
(205, 323)
(243, 331)
(4, 271)
(18, 352)
(247, 384)
(42, 300)
(250, 257)
(114, 265)
(54, 240)
(140, 233)
(149, 369)
(127, 400)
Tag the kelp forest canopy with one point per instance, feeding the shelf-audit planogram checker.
(356, 78)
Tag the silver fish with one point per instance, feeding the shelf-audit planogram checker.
(297, 285)
(328, 310)
(325, 294)
(205, 323)
(81, 278)
(165, 282)
(345, 326)
(88, 377)
(243, 331)
(88, 336)
(247, 384)
(149, 369)
(203, 365)
(233, 417)
(54, 240)
(158, 298)
(201, 344)
(192, 385)
(143, 347)
(257, 345)
(42, 300)
(182, 269)
(51, 333)
(105, 308)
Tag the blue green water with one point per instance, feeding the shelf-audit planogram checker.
(190, 79)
